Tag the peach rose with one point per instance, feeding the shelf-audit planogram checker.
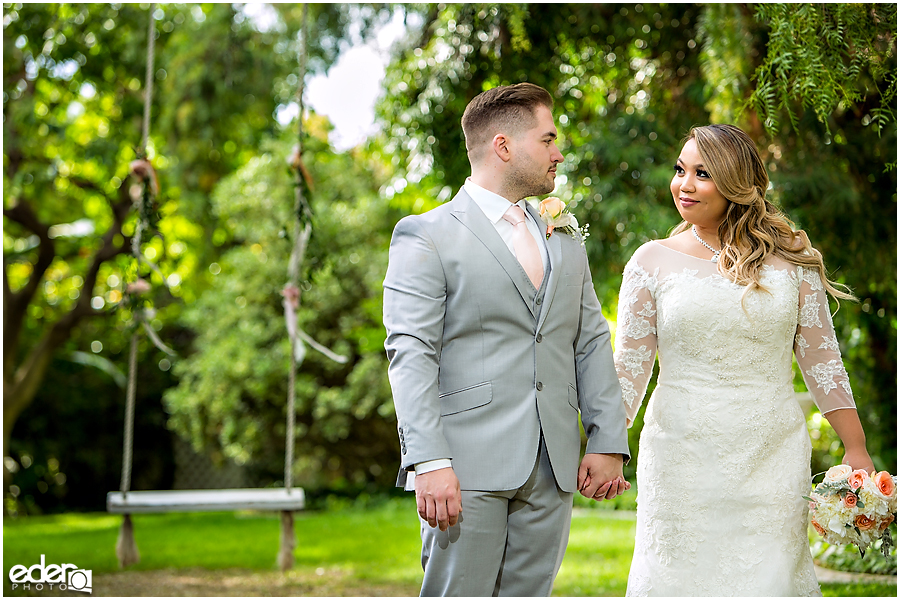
(838, 473)
(850, 500)
(885, 483)
(863, 522)
(883, 525)
(552, 207)
(821, 530)
(857, 478)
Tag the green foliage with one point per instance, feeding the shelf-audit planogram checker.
(847, 558)
(232, 388)
(67, 446)
(862, 590)
(73, 106)
(728, 58)
(829, 57)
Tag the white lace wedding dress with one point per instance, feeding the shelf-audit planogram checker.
(724, 455)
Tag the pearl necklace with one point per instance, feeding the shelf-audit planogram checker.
(715, 252)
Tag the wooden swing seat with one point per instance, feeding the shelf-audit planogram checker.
(279, 499)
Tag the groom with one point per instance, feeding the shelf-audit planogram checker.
(496, 341)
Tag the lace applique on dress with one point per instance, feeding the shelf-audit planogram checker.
(830, 343)
(628, 391)
(648, 310)
(633, 358)
(824, 374)
(636, 327)
(802, 344)
(811, 277)
(809, 312)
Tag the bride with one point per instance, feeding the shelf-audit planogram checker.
(724, 458)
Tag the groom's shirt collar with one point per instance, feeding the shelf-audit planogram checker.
(494, 206)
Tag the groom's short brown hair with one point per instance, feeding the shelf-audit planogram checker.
(504, 109)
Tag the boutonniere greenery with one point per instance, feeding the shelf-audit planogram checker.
(557, 218)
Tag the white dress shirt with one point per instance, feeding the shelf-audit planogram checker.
(494, 206)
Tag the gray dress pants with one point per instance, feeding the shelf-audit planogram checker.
(507, 543)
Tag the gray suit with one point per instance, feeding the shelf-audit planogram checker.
(485, 369)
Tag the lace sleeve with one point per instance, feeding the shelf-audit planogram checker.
(817, 350)
(635, 335)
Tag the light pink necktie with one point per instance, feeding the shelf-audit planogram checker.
(526, 248)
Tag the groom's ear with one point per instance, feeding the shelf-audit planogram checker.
(500, 145)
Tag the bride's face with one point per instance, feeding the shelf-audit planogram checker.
(696, 196)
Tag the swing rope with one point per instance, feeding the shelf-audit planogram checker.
(291, 303)
(126, 547)
(128, 449)
(300, 239)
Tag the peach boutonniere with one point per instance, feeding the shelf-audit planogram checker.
(554, 214)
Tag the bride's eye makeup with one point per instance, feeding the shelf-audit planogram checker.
(703, 174)
(679, 170)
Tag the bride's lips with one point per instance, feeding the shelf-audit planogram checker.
(687, 202)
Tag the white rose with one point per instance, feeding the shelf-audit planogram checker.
(838, 473)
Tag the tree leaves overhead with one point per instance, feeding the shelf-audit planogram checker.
(829, 57)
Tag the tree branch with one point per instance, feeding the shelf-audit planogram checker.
(16, 303)
(20, 387)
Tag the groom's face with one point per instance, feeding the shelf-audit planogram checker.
(535, 156)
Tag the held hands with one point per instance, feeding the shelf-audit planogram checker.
(600, 476)
(438, 498)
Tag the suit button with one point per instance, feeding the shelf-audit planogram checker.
(539, 386)
(539, 338)
(539, 300)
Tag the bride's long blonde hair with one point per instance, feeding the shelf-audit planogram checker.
(753, 228)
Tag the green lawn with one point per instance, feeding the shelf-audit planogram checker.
(344, 551)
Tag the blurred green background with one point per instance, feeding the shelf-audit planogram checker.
(814, 85)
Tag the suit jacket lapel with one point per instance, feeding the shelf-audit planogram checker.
(554, 250)
(468, 213)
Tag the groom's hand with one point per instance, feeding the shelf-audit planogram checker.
(600, 476)
(438, 498)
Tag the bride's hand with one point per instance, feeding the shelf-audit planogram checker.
(859, 460)
(600, 476)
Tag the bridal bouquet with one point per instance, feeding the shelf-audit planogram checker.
(852, 507)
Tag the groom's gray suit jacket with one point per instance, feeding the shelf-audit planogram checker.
(481, 363)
